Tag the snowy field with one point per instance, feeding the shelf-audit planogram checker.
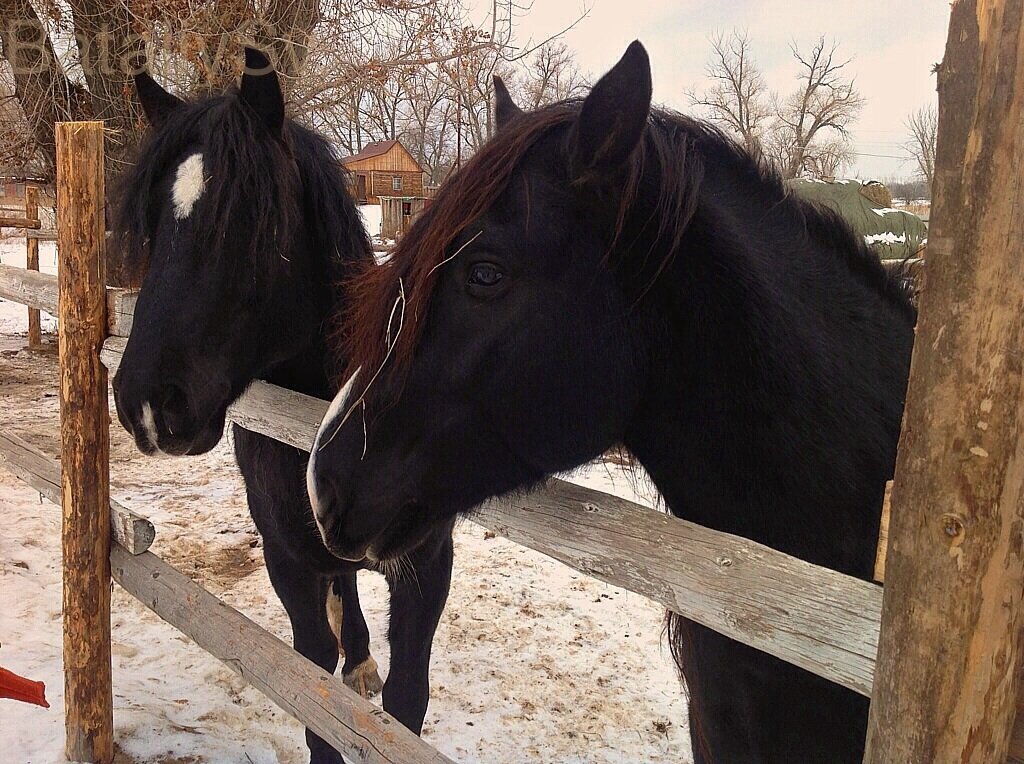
(532, 662)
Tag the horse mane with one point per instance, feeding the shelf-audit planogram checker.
(387, 305)
(266, 188)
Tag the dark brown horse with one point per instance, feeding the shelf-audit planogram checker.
(605, 273)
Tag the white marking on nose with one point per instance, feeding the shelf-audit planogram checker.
(189, 183)
(149, 425)
(326, 425)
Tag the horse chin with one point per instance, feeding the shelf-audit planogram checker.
(206, 440)
(402, 537)
(203, 441)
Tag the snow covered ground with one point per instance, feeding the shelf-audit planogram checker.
(532, 662)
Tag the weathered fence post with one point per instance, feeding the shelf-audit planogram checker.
(85, 442)
(949, 659)
(35, 334)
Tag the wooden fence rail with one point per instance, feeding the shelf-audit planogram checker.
(8, 221)
(39, 291)
(821, 620)
(32, 466)
(30, 224)
(354, 726)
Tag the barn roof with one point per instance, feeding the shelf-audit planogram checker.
(375, 149)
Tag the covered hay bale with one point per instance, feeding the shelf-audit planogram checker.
(866, 207)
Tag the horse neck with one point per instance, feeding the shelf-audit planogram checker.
(307, 371)
(775, 393)
(332, 237)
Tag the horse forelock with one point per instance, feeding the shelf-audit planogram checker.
(226, 167)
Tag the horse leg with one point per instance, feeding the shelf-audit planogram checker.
(349, 627)
(747, 707)
(303, 593)
(417, 600)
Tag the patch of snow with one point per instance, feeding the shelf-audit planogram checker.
(883, 211)
(372, 216)
(885, 238)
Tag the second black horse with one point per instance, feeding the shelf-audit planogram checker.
(239, 224)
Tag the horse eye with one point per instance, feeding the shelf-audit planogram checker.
(485, 275)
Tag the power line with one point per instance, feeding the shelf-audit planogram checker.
(880, 156)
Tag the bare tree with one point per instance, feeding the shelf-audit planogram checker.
(826, 159)
(428, 130)
(38, 91)
(358, 70)
(923, 126)
(821, 109)
(738, 97)
(551, 75)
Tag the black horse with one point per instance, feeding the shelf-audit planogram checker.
(240, 225)
(604, 273)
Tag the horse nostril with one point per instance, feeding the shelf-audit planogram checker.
(174, 408)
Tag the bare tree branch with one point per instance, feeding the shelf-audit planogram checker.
(737, 98)
(923, 126)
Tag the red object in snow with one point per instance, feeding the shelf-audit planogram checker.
(18, 688)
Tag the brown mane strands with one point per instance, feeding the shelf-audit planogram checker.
(371, 293)
(675, 152)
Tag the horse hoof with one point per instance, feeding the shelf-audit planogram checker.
(364, 678)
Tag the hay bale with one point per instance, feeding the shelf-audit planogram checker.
(877, 193)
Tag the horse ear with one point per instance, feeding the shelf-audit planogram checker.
(261, 89)
(613, 117)
(156, 102)
(505, 109)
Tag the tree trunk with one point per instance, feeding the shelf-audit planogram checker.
(949, 659)
(42, 88)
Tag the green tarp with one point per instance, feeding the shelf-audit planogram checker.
(894, 234)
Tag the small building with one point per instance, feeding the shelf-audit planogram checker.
(397, 214)
(384, 168)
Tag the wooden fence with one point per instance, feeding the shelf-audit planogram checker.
(949, 682)
(31, 224)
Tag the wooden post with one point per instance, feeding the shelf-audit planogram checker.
(85, 442)
(35, 334)
(949, 659)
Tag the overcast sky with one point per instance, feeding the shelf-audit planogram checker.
(893, 44)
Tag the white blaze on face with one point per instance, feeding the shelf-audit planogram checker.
(330, 423)
(189, 183)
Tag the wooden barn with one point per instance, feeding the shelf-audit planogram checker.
(384, 168)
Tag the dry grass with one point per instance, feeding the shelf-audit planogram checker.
(921, 210)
